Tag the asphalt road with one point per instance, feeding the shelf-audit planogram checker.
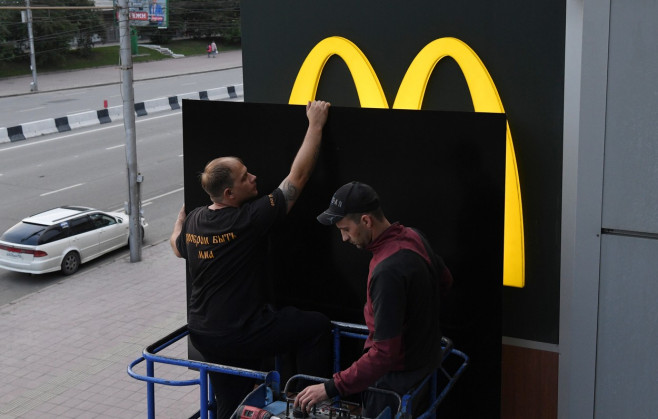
(15, 110)
(88, 166)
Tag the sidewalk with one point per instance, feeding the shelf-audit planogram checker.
(65, 349)
(13, 86)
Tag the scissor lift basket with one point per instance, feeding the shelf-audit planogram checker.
(268, 394)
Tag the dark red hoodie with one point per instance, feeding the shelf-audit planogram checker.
(401, 311)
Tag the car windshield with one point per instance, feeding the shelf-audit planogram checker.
(24, 233)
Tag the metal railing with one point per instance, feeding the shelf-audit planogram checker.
(271, 379)
(151, 357)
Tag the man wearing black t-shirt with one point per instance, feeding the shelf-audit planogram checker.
(225, 247)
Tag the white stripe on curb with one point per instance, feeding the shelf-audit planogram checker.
(83, 119)
(115, 113)
(4, 135)
(157, 105)
(43, 127)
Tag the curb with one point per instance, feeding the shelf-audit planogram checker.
(104, 116)
(2, 95)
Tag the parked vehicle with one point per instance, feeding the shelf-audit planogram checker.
(62, 239)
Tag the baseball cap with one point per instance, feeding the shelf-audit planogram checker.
(353, 197)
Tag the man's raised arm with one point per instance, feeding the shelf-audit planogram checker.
(306, 157)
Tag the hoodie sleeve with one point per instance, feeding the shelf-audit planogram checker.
(384, 350)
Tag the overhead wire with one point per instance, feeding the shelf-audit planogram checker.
(38, 16)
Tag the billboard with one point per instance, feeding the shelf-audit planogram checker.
(151, 13)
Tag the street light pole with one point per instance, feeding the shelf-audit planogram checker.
(33, 63)
(134, 178)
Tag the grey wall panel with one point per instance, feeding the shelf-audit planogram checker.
(627, 365)
(585, 106)
(631, 162)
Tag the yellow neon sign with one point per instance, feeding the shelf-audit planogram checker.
(410, 95)
(371, 94)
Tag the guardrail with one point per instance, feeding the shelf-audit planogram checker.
(115, 113)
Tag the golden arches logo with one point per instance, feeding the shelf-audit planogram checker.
(410, 95)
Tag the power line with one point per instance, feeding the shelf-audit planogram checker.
(56, 8)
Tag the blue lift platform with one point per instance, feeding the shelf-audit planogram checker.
(268, 401)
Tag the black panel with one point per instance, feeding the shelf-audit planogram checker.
(442, 172)
(62, 124)
(15, 133)
(522, 46)
(173, 102)
(104, 116)
(140, 109)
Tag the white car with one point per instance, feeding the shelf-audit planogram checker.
(62, 239)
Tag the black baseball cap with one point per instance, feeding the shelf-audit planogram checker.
(351, 198)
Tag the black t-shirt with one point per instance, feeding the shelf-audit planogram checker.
(226, 251)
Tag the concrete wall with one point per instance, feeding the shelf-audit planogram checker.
(626, 366)
(610, 211)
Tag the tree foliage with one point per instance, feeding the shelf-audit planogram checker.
(218, 19)
(10, 29)
(58, 32)
(54, 31)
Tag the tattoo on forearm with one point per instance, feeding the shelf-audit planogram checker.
(290, 192)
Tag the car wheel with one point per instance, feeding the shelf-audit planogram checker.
(70, 263)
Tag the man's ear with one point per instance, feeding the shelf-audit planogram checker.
(228, 194)
(367, 220)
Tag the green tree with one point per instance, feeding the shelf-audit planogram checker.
(55, 31)
(10, 25)
(218, 19)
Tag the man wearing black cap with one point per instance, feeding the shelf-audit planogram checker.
(402, 305)
(225, 245)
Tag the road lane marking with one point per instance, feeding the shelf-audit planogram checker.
(165, 194)
(149, 201)
(63, 189)
(76, 93)
(31, 109)
(116, 146)
(63, 137)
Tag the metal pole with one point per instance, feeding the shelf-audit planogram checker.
(134, 178)
(33, 63)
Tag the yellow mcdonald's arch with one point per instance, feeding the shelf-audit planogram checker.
(371, 94)
(410, 95)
